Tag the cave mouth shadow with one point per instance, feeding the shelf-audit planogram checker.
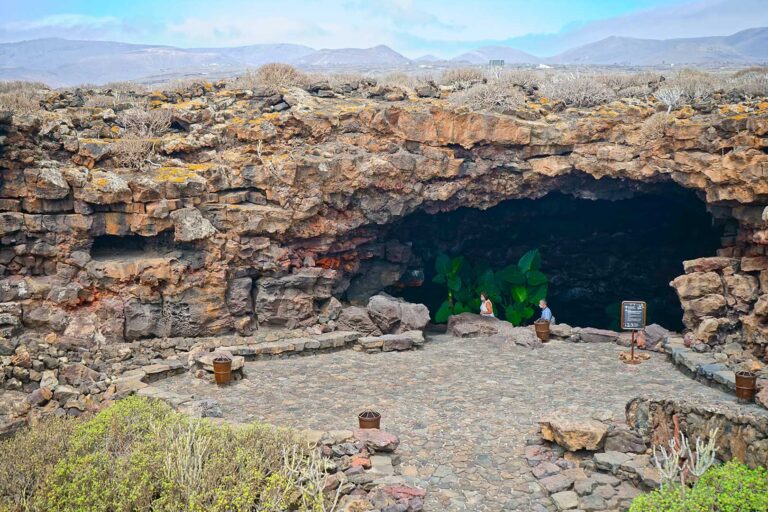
(596, 252)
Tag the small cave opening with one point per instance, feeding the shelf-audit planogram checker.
(595, 252)
(127, 247)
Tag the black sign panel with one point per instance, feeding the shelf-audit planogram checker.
(632, 315)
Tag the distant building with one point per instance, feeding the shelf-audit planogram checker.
(495, 63)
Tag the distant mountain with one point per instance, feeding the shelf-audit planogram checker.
(347, 57)
(60, 62)
(745, 47)
(507, 54)
(258, 54)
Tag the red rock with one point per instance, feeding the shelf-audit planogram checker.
(404, 491)
(377, 440)
(364, 462)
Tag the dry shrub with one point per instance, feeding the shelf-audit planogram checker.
(125, 87)
(336, 80)
(272, 77)
(132, 152)
(525, 78)
(145, 122)
(462, 78)
(576, 90)
(656, 125)
(694, 85)
(21, 97)
(630, 85)
(21, 102)
(752, 82)
(495, 95)
(670, 96)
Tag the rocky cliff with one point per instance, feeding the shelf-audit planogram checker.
(259, 208)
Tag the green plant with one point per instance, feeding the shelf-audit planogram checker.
(28, 459)
(731, 487)
(517, 288)
(140, 455)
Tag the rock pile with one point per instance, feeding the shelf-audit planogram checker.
(593, 462)
(363, 471)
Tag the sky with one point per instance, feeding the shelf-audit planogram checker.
(413, 27)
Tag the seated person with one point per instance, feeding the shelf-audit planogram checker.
(546, 313)
(486, 307)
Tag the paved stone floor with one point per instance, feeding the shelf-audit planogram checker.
(462, 408)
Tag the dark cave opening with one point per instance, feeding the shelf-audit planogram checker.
(596, 253)
(112, 247)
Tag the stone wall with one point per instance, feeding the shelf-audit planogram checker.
(263, 207)
(742, 430)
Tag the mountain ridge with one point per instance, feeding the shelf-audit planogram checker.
(59, 61)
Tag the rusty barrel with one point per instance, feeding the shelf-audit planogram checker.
(369, 419)
(222, 370)
(542, 330)
(745, 386)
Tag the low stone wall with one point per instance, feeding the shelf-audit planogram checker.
(56, 379)
(742, 429)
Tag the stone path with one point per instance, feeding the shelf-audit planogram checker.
(462, 408)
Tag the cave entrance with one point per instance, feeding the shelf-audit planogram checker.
(596, 253)
(130, 247)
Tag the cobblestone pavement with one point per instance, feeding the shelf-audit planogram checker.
(462, 408)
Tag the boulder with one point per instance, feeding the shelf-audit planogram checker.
(697, 284)
(356, 318)
(395, 315)
(654, 335)
(593, 335)
(376, 439)
(76, 374)
(573, 429)
(560, 330)
(710, 264)
(470, 325)
(610, 461)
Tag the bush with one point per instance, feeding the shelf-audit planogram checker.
(576, 90)
(141, 455)
(273, 77)
(752, 82)
(731, 487)
(462, 78)
(28, 459)
(656, 125)
(495, 95)
(145, 122)
(694, 85)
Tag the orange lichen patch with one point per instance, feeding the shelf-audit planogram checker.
(237, 120)
(190, 105)
(543, 101)
(763, 105)
(175, 174)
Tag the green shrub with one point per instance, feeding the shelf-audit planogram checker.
(140, 455)
(514, 290)
(29, 458)
(731, 487)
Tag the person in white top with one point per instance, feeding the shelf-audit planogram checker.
(486, 307)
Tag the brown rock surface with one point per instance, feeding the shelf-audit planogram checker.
(573, 429)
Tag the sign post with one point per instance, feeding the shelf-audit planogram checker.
(633, 316)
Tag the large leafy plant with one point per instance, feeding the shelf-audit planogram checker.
(514, 290)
